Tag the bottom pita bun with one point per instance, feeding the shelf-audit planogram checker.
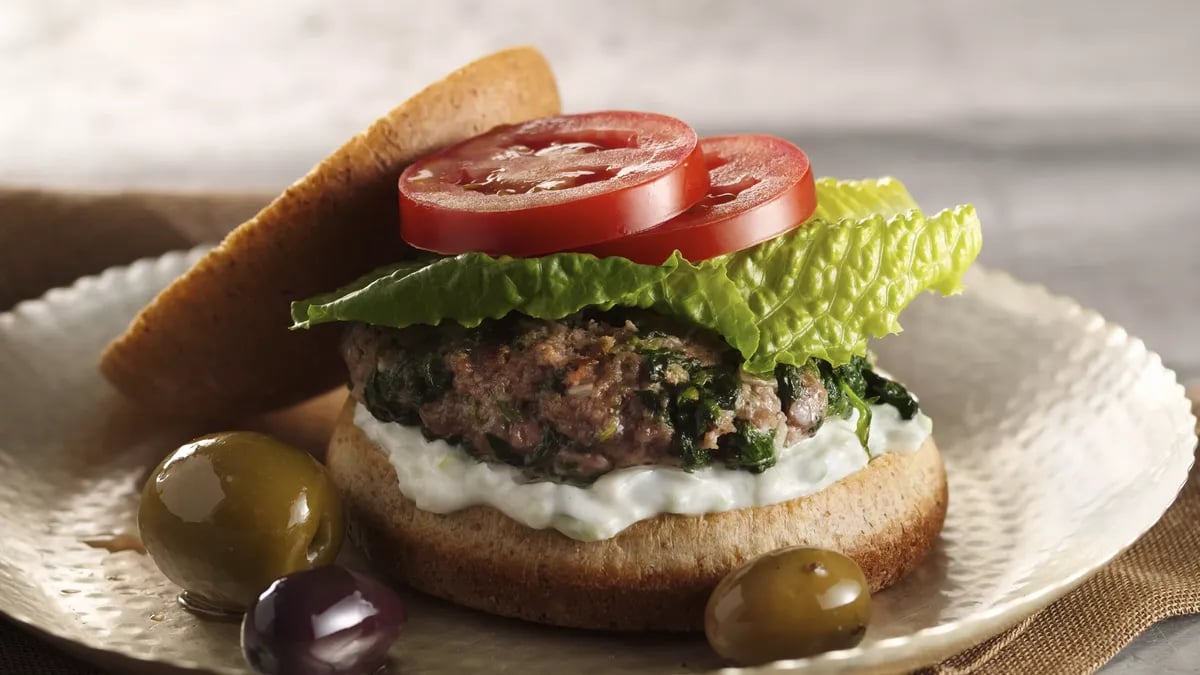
(655, 575)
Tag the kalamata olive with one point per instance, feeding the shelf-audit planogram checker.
(225, 515)
(790, 603)
(327, 621)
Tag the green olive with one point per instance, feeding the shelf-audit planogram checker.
(225, 515)
(788, 604)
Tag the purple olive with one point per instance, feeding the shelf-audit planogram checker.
(324, 621)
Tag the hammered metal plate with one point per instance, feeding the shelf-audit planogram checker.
(1065, 439)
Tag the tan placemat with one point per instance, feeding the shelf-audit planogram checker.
(48, 239)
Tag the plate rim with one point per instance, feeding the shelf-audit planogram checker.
(886, 652)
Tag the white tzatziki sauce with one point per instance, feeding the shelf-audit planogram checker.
(442, 478)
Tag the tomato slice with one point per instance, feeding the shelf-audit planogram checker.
(553, 184)
(762, 186)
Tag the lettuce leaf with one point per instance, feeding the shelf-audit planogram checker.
(471, 287)
(820, 290)
(838, 199)
(705, 295)
(823, 290)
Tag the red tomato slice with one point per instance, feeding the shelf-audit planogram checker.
(553, 184)
(762, 186)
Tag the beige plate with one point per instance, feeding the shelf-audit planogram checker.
(1065, 439)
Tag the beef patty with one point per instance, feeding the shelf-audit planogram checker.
(571, 400)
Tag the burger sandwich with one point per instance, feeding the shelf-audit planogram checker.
(595, 361)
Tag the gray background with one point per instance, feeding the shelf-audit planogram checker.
(1073, 126)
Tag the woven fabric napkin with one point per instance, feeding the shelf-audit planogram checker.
(49, 239)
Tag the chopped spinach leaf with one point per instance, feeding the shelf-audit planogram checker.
(792, 380)
(662, 362)
(693, 456)
(720, 383)
(654, 401)
(851, 375)
(892, 393)
(385, 395)
(838, 405)
(863, 426)
(748, 448)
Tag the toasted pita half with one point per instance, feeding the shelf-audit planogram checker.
(216, 344)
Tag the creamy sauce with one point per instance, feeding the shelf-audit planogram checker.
(442, 478)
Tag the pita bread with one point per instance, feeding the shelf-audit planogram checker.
(215, 344)
(656, 574)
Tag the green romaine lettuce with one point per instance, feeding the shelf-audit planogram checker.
(471, 287)
(821, 290)
(838, 199)
(824, 289)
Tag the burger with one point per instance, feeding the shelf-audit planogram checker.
(595, 362)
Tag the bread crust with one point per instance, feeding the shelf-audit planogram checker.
(656, 574)
(215, 344)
